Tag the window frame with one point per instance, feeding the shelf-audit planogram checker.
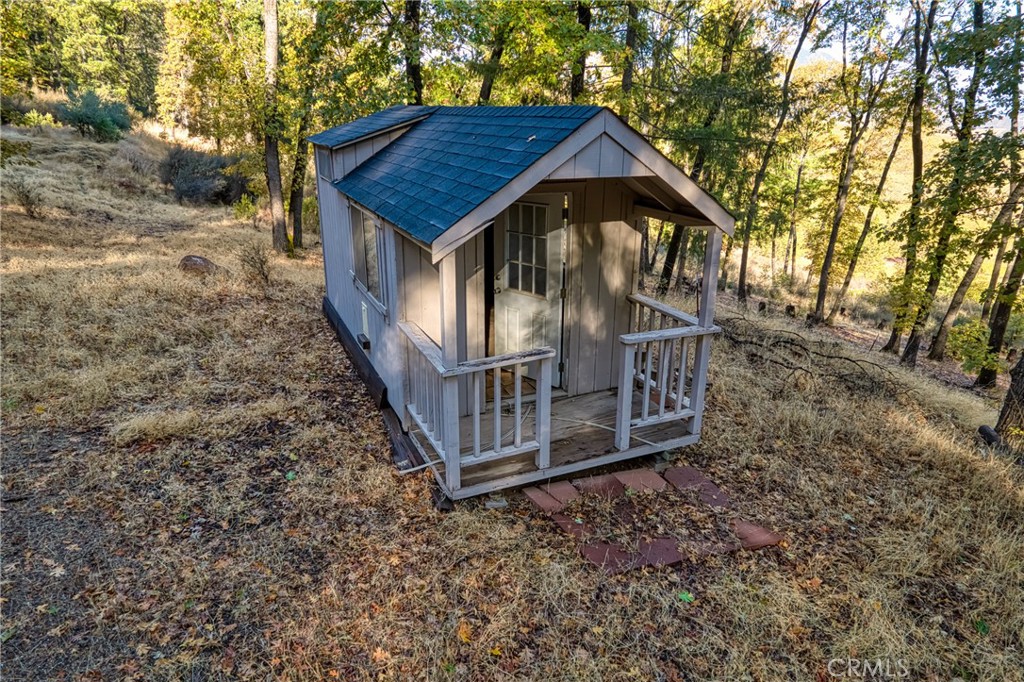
(359, 255)
(327, 173)
(534, 264)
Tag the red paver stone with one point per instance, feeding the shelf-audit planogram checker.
(711, 495)
(753, 536)
(606, 486)
(659, 552)
(569, 525)
(641, 480)
(611, 557)
(684, 478)
(544, 502)
(563, 491)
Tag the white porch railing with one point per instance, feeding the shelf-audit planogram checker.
(433, 404)
(666, 357)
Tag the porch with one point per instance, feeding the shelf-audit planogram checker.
(485, 424)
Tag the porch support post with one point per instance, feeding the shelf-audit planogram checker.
(542, 414)
(450, 316)
(706, 317)
(624, 410)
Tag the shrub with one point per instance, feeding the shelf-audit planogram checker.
(202, 178)
(254, 258)
(247, 210)
(90, 115)
(310, 215)
(34, 119)
(24, 191)
(968, 343)
(10, 149)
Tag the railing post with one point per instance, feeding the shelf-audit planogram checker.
(542, 415)
(624, 410)
(449, 407)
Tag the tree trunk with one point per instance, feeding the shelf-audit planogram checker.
(272, 127)
(578, 79)
(791, 242)
(671, 253)
(297, 188)
(993, 282)
(1001, 318)
(413, 71)
(866, 230)
(629, 63)
(493, 62)
(922, 46)
(751, 214)
(942, 244)
(938, 349)
(697, 171)
(684, 251)
(1010, 426)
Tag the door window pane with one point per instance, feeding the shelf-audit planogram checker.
(526, 258)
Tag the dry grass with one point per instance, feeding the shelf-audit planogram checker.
(196, 486)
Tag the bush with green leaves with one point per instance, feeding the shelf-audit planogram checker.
(968, 343)
(92, 116)
(199, 177)
(34, 119)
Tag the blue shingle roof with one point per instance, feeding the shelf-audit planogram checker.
(368, 125)
(450, 162)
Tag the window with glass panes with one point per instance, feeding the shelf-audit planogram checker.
(528, 248)
(365, 246)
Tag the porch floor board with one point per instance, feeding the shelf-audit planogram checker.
(582, 428)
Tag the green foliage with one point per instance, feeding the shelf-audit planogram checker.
(34, 119)
(246, 209)
(112, 47)
(199, 177)
(89, 114)
(10, 149)
(968, 342)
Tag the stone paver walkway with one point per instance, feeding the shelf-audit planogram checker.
(614, 558)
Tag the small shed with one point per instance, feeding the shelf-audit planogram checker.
(482, 267)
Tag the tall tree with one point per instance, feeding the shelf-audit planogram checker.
(963, 126)
(1003, 309)
(807, 21)
(579, 70)
(876, 198)
(924, 22)
(861, 88)
(413, 49)
(998, 232)
(272, 126)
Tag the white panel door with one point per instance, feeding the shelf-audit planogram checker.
(527, 300)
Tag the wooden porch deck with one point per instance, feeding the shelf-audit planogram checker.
(582, 437)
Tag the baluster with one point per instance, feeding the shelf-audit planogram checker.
(497, 410)
(681, 380)
(664, 363)
(645, 403)
(477, 392)
(518, 438)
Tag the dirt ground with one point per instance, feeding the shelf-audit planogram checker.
(195, 485)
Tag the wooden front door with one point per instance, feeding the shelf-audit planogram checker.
(528, 283)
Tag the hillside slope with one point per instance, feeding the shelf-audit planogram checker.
(196, 486)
